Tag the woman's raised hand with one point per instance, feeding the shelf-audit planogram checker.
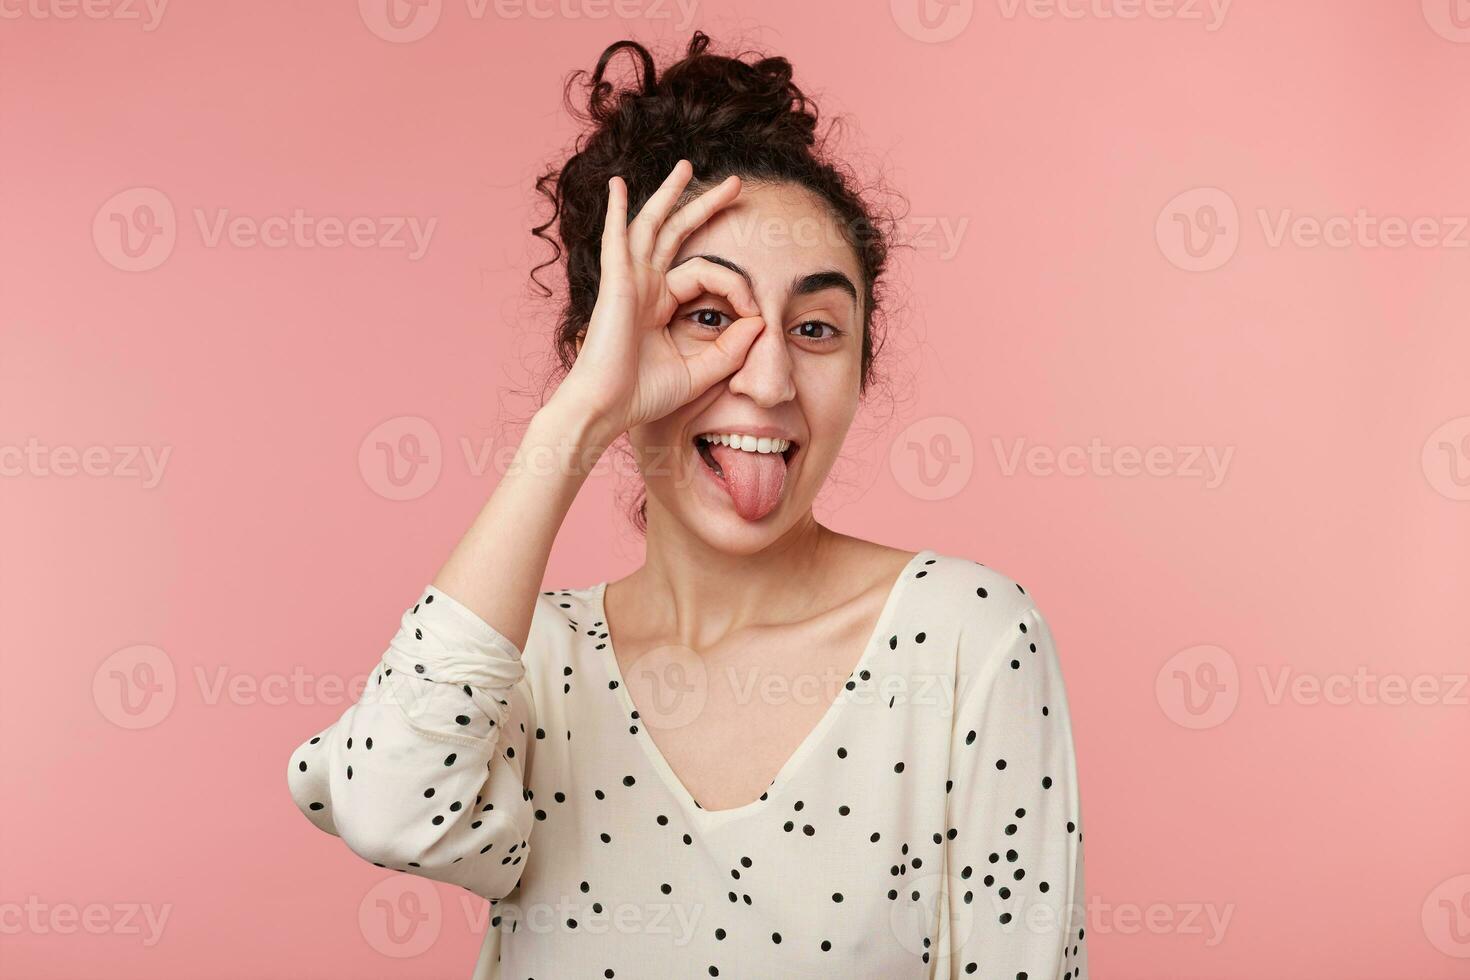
(629, 369)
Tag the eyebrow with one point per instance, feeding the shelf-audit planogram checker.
(800, 286)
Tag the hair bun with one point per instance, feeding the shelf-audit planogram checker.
(704, 96)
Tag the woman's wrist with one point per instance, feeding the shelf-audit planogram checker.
(575, 432)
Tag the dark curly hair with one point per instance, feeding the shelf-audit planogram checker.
(725, 115)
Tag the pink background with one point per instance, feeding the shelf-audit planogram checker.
(1070, 309)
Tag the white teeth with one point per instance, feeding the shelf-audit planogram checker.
(749, 444)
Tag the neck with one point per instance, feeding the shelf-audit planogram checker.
(695, 593)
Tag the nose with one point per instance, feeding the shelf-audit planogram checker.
(766, 377)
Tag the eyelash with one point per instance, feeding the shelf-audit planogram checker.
(835, 335)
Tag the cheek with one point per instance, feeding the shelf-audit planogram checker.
(827, 388)
(645, 441)
(658, 446)
(688, 338)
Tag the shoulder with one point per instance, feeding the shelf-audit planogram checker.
(1006, 660)
(563, 622)
(563, 611)
(974, 591)
(996, 622)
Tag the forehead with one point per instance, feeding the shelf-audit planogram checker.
(778, 233)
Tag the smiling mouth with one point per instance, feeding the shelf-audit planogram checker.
(704, 442)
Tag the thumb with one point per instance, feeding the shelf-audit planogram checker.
(724, 356)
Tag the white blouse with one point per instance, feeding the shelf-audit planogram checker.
(928, 826)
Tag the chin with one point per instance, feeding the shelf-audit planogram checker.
(731, 535)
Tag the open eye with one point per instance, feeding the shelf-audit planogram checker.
(802, 330)
(709, 319)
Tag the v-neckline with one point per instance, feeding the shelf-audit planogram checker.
(793, 762)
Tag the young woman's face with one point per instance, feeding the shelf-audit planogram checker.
(799, 381)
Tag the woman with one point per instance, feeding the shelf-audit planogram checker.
(637, 774)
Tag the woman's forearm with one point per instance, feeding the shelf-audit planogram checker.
(497, 567)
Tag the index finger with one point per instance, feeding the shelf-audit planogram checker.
(685, 220)
(697, 275)
(651, 216)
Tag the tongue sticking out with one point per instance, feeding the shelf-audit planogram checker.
(753, 480)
